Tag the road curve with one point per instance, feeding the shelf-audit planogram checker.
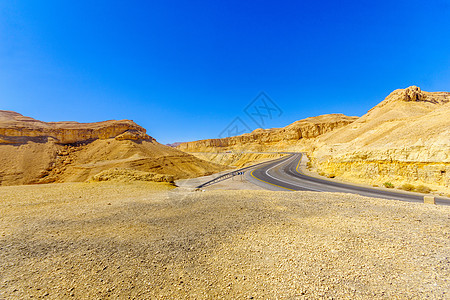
(285, 175)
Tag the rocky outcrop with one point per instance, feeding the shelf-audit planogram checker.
(17, 129)
(414, 93)
(275, 138)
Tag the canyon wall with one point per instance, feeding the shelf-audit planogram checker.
(273, 139)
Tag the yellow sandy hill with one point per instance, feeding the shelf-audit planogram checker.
(405, 138)
(33, 151)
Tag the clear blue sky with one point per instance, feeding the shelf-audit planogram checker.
(185, 69)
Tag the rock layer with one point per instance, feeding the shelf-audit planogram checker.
(16, 128)
(274, 138)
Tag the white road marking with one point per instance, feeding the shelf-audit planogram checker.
(291, 183)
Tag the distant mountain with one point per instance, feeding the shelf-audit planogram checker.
(174, 145)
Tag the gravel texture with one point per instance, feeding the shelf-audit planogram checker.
(142, 240)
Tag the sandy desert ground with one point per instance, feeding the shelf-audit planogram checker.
(147, 240)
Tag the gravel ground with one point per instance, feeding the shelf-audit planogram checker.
(141, 240)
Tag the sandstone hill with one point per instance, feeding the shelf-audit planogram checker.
(405, 138)
(274, 138)
(33, 151)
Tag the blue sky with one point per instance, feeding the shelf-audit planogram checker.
(185, 69)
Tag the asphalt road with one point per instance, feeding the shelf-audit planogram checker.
(285, 175)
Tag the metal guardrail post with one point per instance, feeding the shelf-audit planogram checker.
(429, 200)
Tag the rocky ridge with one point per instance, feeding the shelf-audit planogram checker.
(16, 129)
(274, 138)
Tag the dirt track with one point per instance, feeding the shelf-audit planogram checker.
(143, 240)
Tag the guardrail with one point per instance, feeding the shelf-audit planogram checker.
(236, 172)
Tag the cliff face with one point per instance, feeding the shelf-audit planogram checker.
(17, 129)
(272, 139)
(33, 151)
(404, 139)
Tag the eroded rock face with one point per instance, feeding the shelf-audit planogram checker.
(17, 129)
(414, 93)
(260, 139)
(394, 165)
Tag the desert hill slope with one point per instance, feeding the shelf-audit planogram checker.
(392, 118)
(405, 138)
(33, 151)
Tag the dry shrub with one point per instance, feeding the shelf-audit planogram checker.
(127, 175)
(408, 187)
(423, 189)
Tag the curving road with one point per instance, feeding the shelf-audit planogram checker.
(285, 175)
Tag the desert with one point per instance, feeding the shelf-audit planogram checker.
(225, 150)
(112, 213)
(147, 240)
(405, 139)
(33, 151)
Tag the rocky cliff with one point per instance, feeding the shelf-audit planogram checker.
(274, 138)
(16, 128)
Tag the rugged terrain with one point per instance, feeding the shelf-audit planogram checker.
(404, 142)
(33, 151)
(404, 139)
(143, 240)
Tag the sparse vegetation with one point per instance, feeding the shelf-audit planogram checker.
(423, 189)
(388, 185)
(408, 187)
(127, 175)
